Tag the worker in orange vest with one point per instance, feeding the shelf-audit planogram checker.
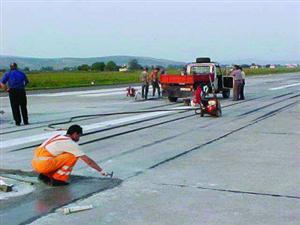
(54, 159)
(155, 81)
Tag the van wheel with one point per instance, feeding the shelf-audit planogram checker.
(219, 113)
(226, 94)
(172, 99)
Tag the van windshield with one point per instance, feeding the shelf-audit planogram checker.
(195, 70)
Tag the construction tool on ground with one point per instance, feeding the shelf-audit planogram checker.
(131, 92)
(211, 105)
(68, 210)
(5, 187)
(111, 174)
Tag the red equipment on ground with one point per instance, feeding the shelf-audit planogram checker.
(208, 105)
(130, 92)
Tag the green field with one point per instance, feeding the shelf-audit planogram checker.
(261, 71)
(47, 80)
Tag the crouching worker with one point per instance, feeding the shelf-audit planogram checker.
(54, 159)
(196, 101)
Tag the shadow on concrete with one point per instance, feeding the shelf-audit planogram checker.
(45, 199)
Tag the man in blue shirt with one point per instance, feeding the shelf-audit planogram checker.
(17, 95)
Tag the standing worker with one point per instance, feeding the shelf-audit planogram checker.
(145, 83)
(237, 82)
(242, 96)
(17, 81)
(54, 158)
(155, 84)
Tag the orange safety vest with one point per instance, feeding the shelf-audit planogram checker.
(56, 167)
(154, 75)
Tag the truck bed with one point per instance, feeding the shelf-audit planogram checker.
(184, 79)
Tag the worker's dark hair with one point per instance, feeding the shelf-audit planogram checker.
(236, 67)
(13, 66)
(74, 129)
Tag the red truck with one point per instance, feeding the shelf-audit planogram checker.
(202, 72)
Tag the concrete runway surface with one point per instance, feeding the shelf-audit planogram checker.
(171, 167)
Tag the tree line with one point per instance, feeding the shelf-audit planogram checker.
(98, 66)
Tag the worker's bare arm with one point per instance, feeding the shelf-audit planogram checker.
(92, 164)
(3, 86)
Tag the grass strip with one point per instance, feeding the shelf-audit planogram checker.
(62, 79)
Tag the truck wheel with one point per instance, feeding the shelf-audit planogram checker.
(219, 110)
(187, 102)
(226, 94)
(172, 99)
(201, 112)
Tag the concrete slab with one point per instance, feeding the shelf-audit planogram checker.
(137, 202)
(26, 208)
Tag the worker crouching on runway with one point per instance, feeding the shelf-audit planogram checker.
(54, 159)
(196, 101)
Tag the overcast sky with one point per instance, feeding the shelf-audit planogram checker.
(176, 30)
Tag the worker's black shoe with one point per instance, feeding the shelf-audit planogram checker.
(54, 182)
(44, 178)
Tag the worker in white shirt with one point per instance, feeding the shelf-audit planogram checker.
(241, 95)
(54, 159)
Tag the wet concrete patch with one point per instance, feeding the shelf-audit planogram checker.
(27, 208)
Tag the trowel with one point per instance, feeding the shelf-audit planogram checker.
(111, 174)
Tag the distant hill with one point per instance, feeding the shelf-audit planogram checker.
(60, 63)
